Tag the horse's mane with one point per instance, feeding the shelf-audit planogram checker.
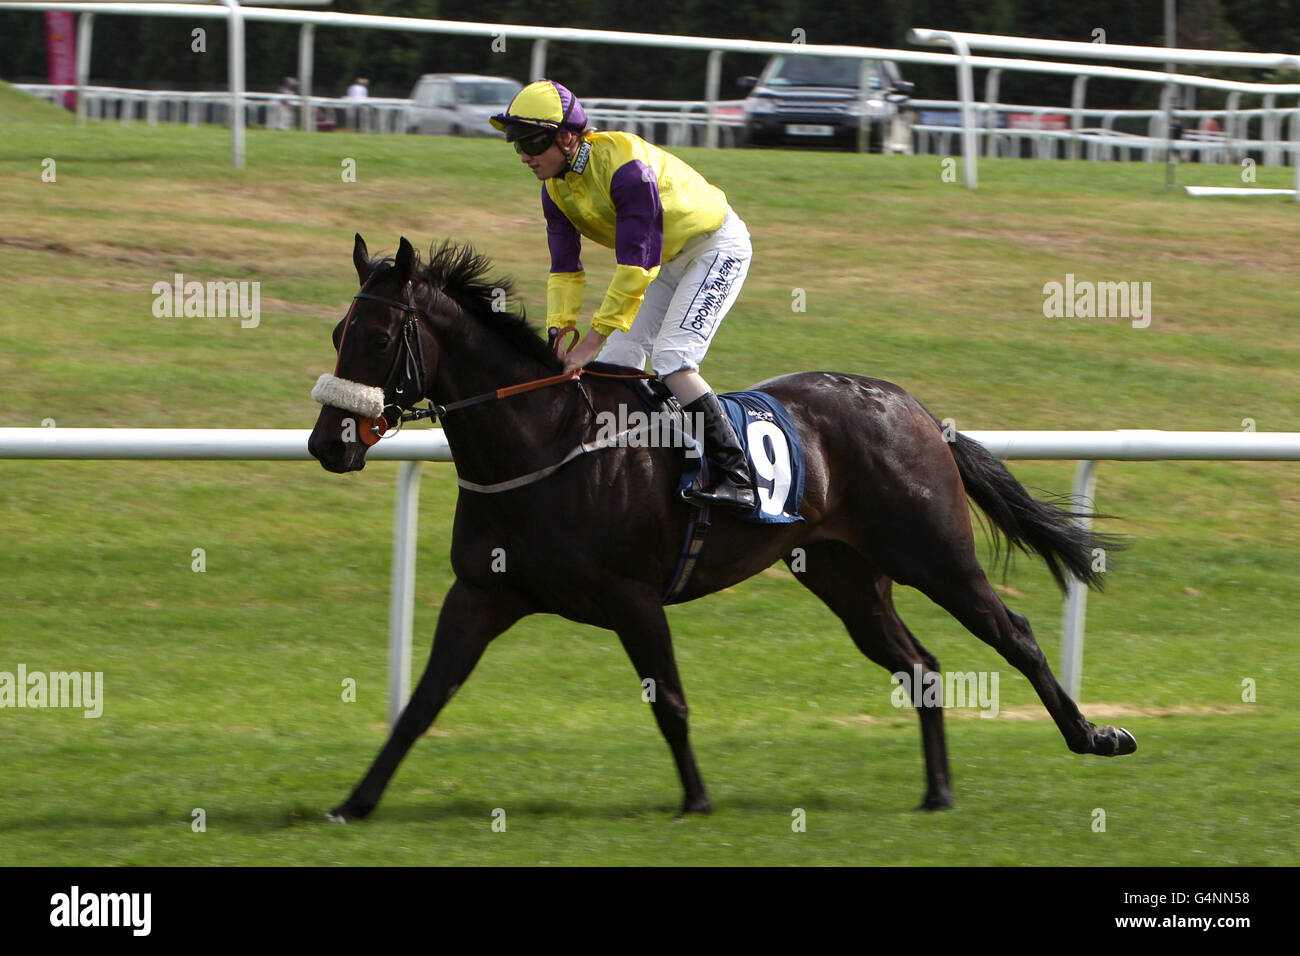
(459, 272)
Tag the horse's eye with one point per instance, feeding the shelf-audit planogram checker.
(382, 340)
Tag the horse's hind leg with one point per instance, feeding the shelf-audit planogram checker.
(984, 614)
(937, 557)
(469, 620)
(861, 596)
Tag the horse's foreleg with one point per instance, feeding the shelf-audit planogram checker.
(469, 620)
(643, 629)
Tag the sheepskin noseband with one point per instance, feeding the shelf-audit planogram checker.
(364, 400)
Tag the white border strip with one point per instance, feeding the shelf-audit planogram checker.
(1236, 191)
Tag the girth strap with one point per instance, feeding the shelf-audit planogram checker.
(692, 548)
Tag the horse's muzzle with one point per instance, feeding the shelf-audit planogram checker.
(335, 441)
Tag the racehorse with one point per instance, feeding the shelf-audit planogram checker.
(597, 539)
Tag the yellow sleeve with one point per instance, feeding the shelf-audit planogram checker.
(623, 298)
(564, 298)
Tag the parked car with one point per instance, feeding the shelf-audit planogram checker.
(819, 101)
(458, 103)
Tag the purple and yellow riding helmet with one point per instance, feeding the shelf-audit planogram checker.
(537, 113)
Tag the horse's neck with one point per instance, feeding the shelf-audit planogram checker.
(474, 366)
(499, 438)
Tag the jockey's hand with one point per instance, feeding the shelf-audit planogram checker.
(584, 351)
(559, 339)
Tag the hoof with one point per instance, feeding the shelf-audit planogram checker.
(943, 802)
(1114, 742)
(345, 813)
(699, 805)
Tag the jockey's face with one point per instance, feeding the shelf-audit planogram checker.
(553, 160)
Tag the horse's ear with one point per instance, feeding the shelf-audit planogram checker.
(361, 259)
(405, 257)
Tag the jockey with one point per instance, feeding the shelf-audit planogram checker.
(681, 254)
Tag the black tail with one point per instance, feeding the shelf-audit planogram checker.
(1032, 525)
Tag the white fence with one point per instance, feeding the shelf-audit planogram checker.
(415, 445)
(686, 122)
(1040, 134)
(196, 107)
(962, 43)
(666, 122)
(671, 122)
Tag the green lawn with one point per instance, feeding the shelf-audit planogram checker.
(223, 689)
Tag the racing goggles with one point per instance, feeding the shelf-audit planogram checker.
(537, 143)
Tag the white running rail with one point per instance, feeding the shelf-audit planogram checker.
(413, 446)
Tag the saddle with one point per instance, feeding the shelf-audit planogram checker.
(767, 434)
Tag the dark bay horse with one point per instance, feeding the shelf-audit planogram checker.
(597, 540)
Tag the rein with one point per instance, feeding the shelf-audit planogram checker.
(438, 411)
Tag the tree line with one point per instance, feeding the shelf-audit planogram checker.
(161, 53)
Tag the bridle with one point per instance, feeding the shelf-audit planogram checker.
(404, 381)
(406, 377)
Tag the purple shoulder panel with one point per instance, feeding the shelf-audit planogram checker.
(639, 230)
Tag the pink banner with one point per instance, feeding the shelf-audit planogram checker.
(61, 47)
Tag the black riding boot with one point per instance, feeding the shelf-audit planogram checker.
(729, 484)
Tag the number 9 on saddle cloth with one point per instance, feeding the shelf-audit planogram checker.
(772, 448)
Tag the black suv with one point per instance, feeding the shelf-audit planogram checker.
(819, 101)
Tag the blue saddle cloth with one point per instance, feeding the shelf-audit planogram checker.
(774, 453)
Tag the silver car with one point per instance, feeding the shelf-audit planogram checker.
(458, 103)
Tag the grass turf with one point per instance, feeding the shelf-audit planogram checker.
(223, 689)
